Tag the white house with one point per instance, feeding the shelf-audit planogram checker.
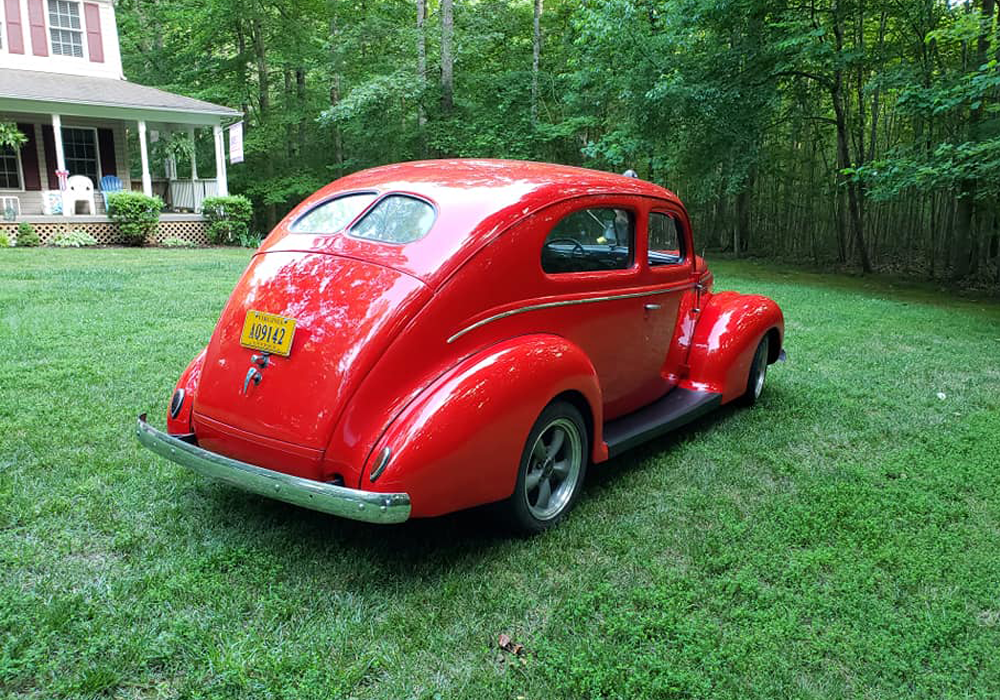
(61, 82)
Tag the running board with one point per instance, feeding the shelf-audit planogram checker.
(678, 408)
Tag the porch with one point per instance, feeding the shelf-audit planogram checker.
(98, 127)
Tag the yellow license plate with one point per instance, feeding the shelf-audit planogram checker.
(268, 332)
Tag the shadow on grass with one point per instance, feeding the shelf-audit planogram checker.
(420, 548)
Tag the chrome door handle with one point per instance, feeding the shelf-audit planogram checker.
(652, 307)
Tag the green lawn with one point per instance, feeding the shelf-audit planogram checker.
(841, 539)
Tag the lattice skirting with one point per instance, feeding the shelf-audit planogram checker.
(107, 233)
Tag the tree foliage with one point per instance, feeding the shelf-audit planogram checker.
(845, 131)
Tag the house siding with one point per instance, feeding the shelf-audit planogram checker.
(35, 50)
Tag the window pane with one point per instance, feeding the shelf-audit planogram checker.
(665, 243)
(334, 215)
(396, 219)
(590, 239)
(80, 149)
(9, 177)
(64, 28)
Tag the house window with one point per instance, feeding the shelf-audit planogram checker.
(10, 169)
(64, 27)
(80, 149)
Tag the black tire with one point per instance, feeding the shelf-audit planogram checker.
(758, 372)
(538, 506)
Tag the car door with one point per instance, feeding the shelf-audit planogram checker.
(604, 298)
(665, 250)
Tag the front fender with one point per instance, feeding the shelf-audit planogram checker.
(188, 381)
(729, 327)
(459, 443)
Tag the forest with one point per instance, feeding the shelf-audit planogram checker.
(853, 134)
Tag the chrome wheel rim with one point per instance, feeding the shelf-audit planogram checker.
(760, 362)
(553, 469)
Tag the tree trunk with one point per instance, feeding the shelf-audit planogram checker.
(300, 94)
(338, 138)
(536, 53)
(264, 106)
(290, 141)
(741, 241)
(843, 153)
(421, 66)
(447, 59)
(964, 243)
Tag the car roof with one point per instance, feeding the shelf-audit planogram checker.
(476, 200)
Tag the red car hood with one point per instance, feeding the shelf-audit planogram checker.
(347, 312)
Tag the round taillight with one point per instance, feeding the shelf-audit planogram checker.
(176, 402)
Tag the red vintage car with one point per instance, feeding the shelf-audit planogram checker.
(425, 337)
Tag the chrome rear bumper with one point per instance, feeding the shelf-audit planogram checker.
(367, 506)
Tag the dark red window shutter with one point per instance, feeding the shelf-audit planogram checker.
(36, 18)
(29, 158)
(15, 39)
(49, 146)
(95, 46)
(106, 147)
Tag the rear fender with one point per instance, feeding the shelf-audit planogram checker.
(459, 443)
(729, 327)
(189, 383)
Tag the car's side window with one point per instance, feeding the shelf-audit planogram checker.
(666, 244)
(589, 240)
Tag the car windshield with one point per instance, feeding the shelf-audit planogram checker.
(397, 218)
(334, 214)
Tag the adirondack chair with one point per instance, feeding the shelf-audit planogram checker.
(109, 185)
(79, 188)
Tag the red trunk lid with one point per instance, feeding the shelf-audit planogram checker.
(347, 311)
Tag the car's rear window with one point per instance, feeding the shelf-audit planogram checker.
(333, 215)
(396, 218)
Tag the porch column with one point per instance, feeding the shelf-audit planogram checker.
(194, 163)
(57, 134)
(60, 154)
(220, 161)
(147, 179)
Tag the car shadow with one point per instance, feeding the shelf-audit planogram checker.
(418, 548)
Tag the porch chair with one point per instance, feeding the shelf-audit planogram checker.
(79, 188)
(109, 185)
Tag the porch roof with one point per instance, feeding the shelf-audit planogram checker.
(85, 96)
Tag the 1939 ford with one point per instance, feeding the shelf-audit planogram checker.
(425, 337)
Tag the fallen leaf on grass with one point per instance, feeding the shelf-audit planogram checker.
(505, 643)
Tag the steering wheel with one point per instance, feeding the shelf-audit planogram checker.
(577, 245)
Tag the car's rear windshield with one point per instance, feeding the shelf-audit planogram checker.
(333, 215)
(396, 218)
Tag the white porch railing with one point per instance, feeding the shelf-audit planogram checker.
(189, 194)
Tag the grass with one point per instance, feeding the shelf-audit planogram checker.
(841, 539)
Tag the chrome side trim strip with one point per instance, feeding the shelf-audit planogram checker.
(355, 504)
(570, 302)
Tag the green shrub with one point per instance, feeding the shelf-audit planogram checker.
(4, 240)
(175, 242)
(250, 239)
(74, 239)
(228, 217)
(136, 215)
(26, 236)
